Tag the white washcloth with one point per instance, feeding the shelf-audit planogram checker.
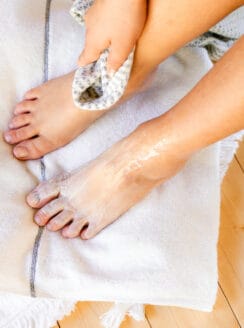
(162, 251)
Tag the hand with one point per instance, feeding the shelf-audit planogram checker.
(113, 24)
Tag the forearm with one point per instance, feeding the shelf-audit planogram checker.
(213, 110)
(172, 24)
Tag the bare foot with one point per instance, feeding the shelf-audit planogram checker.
(85, 201)
(47, 119)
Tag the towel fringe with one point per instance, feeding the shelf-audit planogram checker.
(30, 313)
(116, 315)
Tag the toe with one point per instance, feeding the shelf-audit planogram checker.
(73, 230)
(20, 121)
(89, 231)
(42, 194)
(25, 106)
(32, 148)
(48, 211)
(60, 220)
(18, 135)
(32, 94)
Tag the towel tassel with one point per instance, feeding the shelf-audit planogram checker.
(116, 315)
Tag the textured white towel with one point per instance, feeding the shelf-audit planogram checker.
(162, 251)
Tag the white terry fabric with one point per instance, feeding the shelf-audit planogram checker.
(162, 251)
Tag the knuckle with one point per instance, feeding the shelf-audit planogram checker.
(118, 59)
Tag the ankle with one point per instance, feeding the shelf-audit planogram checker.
(153, 151)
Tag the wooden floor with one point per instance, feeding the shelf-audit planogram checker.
(229, 308)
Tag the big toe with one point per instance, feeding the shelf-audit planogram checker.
(42, 194)
(32, 149)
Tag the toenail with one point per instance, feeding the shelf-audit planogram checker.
(37, 219)
(20, 152)
(7, 137)
(33, 198)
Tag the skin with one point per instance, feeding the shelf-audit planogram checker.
(211, 111)
(119, 32)
(37, 126)
(153, 153)
(29, 129)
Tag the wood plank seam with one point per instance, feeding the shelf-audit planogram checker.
(148, 321)
(239, 163)
(232, 310)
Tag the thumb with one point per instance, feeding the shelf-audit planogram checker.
(117, 56)
(88, 56)
(92, 50)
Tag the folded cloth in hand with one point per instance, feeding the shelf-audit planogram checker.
(93, 88)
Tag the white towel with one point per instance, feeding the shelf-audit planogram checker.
(162, 251)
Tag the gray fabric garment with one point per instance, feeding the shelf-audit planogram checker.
(222, 36)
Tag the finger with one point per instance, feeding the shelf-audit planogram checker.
(92, 51)
(119, 52)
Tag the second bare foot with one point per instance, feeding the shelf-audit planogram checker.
(47, 119)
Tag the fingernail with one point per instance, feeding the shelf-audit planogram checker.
(11, 126)
(7, 137)
(20, 152)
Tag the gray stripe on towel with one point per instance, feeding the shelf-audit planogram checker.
(43, 168)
